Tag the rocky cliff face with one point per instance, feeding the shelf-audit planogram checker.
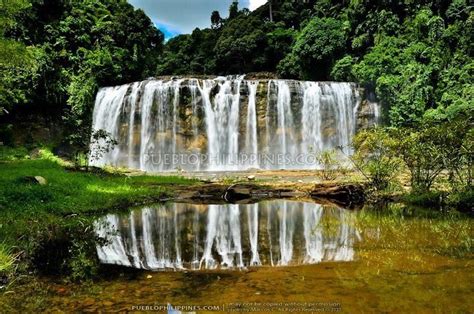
(226, 117)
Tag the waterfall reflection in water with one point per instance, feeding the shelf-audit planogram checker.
(190, 236)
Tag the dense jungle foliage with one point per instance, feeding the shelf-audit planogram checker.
(416, 54)
(71, 48)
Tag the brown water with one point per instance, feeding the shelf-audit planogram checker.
(402, 261)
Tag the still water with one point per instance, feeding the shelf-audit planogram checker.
(274, 256)
(188, 236)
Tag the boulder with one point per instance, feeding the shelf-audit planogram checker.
(346, 195)
(35, 180)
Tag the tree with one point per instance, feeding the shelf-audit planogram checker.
(422, 156)
(342, 69)
(15, 57)
(101, 143)
(270, 9)
(84, 45)
(234, 10)
(376, 157)
(216, 20)
(279, 41)
(318, 46)
(436, 146)
(241, 46)
(331, 166)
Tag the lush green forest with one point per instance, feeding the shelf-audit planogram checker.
(416, 55)
(56, 54)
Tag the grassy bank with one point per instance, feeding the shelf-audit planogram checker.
(30, 212)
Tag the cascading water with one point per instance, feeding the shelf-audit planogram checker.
(222, 120)
(286, 128)
(253, 234)
(167, 236)
(251, 139)
(224, 123)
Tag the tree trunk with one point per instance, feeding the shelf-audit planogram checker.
(271, 10)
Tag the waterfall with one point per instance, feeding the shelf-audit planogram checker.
(133, 99)
(252, 212)
(207, 257)
(313, 234)
(251, 141)
(168, 236)
(150, 259)
(226, 123)
(222, 120)
(287, 229)
(134, 246)
(106, 114)
(286, 126)
(195, 262)
(176, 87)
(114, 251)
(311, 119)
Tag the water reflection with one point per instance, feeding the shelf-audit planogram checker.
(191, 236)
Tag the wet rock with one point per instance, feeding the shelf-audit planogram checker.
(241, 193)
(188, 194)
(41, 180)
(367, 115)
(347, 195)
(261, 76)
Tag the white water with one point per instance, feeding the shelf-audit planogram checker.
(225, 123)
(251, 139)
(252, 212)
(169, 236)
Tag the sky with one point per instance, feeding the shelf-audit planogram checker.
(174, 17)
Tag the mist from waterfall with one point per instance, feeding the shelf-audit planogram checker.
(188, 236)
(227, 123)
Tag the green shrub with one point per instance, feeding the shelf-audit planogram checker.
(427, 199)
(462, 200)
(434, 147)
(331, 166)
(376, 157)
(6, 134)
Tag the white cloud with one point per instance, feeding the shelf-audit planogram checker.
(254, 4)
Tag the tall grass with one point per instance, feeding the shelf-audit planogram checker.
(7, 259)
